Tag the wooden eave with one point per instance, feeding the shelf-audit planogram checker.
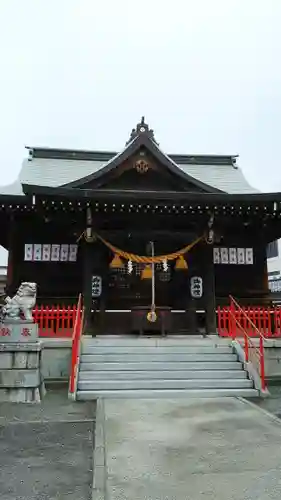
(14, 199)
(183, 196)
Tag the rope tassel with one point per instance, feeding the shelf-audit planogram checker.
(116, 262)
(181, 263)
(146, 273)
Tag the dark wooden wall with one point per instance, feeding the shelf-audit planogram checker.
(67, 279)
(246, 282)
(57, 281)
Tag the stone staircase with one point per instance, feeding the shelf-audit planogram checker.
(124, 367)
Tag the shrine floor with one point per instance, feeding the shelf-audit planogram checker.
(46, 449)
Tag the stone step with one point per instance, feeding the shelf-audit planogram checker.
(86, 365)
(109, 385)
(176, 341)
(164, 393)
(164, 374)
(151, 357)
(143, 349)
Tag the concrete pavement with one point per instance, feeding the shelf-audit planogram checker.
(219, 449)
(216, 449)
(46, 449)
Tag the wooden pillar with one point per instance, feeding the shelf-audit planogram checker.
(209, 290)
(87, 282)
(190, 309)
(265, 283)
(191, 315)
(93, 265)
(12, 262)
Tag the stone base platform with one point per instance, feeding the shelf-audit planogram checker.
(21, 380)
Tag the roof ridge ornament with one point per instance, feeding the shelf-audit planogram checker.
(142, 128)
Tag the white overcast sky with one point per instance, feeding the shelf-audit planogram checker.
(205, 73)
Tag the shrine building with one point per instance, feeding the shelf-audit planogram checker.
(138, 230)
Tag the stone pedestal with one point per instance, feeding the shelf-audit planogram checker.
(20, 363)
(17, 330)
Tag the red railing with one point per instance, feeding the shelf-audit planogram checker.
(253, 353)
(266, 320)
(55, 321)
(77, 332)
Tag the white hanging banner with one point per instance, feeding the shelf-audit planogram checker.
(224, 255)
(241, 256)
(72, 257)
(55, 253)
(216, 255)
(28, 252)
(232, 256)
(64, 252)
(37, 252)
(249, 257)
(46, 252)
(50, 252)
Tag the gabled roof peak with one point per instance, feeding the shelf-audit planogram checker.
(142, 129)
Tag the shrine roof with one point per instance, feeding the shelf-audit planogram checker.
(57, 172)
(52, 167)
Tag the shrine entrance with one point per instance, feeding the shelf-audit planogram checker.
(162, 296)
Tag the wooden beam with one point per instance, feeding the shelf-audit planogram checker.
(87, 275)
(209, 286)
(149, 233)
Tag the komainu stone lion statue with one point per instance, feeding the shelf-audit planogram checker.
(21, 305)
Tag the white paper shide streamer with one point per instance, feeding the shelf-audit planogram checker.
(165, 265)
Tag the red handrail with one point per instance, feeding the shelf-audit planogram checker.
(77, 331)
(248, 342)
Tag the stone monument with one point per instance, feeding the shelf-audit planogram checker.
(17, 323)
(20, 348)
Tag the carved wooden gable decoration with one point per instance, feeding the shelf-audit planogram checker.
(141, 166)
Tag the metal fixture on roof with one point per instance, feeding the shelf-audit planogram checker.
(142, 128)
(142, 166)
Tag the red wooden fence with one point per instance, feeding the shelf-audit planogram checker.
(55, 321)
(266, 319)
(58, 321)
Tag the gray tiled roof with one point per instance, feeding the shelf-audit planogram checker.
(14, 188)
(227, 178)
(57, 172)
